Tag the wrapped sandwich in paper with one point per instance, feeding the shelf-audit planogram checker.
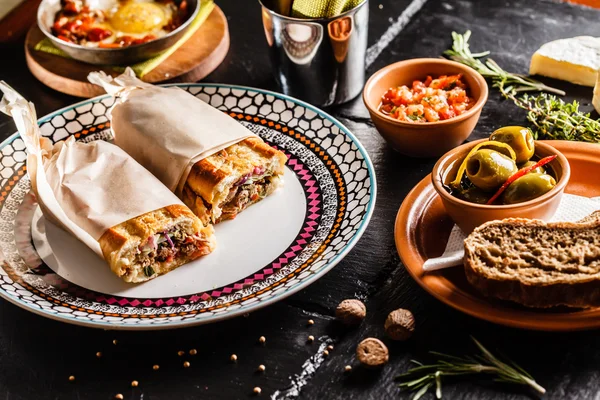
(102, 196)
(212, 162)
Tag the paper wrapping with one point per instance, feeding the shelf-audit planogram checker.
(166, 129)
(572, 208)
(85, 188)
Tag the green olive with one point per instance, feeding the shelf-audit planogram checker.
(519, 138)
(538, 170)
(528, 187)
(474, 195)
(488, 170)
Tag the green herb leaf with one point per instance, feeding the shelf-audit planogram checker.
(423, 377)
(506, 82)
(148, 271)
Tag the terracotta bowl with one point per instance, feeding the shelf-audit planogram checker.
(430, 139)
(468, 215)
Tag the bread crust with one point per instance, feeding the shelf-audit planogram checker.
(551, 291)
(212, 178)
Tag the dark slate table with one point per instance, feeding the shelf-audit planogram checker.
(37, 355)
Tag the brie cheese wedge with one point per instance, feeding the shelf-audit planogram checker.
(596, 99)
(575, 60)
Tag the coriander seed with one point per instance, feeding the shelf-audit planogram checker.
(262, 368)
(311, 322)
(233, 358)
(330, 347)
(186, 364)
(134, 383)
(311, 339)
(325, 353)
(257, 390)
(119, 396)
(348, 368)
(155, 367)
(262, 340)
(99, 354)
(71, 378)
(180, 353)
(193, 352)
(115, 342)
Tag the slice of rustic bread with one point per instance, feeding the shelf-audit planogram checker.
(537, 264)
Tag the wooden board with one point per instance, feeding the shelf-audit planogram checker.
(194, 60)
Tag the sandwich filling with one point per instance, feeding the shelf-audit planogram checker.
(246, 191)
(163, 247)
(245, 194)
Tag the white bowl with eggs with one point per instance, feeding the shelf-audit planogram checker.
(124, 18)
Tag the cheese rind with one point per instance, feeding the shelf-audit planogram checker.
(575, 60)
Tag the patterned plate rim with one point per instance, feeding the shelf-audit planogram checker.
(242, 310)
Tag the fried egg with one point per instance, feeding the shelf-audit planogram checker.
(134, 18)
(140, 17)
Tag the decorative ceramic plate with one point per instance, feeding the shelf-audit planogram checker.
(271, 250)
(423, 227)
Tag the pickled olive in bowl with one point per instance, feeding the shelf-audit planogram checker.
(519, 138)
(538, 170)
(528, 187)
(474, 195)
(488, 169)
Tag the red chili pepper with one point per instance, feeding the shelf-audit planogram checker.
(519, 174)
(66, 39)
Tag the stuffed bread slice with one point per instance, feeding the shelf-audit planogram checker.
(155, 243)
(221, 186)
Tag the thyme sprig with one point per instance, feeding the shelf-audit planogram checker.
(555, 119)
(550, 117)
(507, 82)
(424, 377)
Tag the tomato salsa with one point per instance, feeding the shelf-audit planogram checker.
(427, 101)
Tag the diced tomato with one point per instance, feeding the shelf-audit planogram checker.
(71, 7)
(109, 45)
(66, 39)
(98, 34)
(418, 86)
(427, 101)
(446, 113)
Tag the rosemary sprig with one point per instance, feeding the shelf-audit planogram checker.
(424, 377)
(506, 82)
(551, 117)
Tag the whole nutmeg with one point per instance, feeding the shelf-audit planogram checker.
(400, 324)
(351, 312)
(372, 353)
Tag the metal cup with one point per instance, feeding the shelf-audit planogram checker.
(321, 61)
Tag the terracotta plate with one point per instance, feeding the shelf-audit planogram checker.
(423, 227)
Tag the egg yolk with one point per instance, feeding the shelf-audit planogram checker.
(138, 18)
